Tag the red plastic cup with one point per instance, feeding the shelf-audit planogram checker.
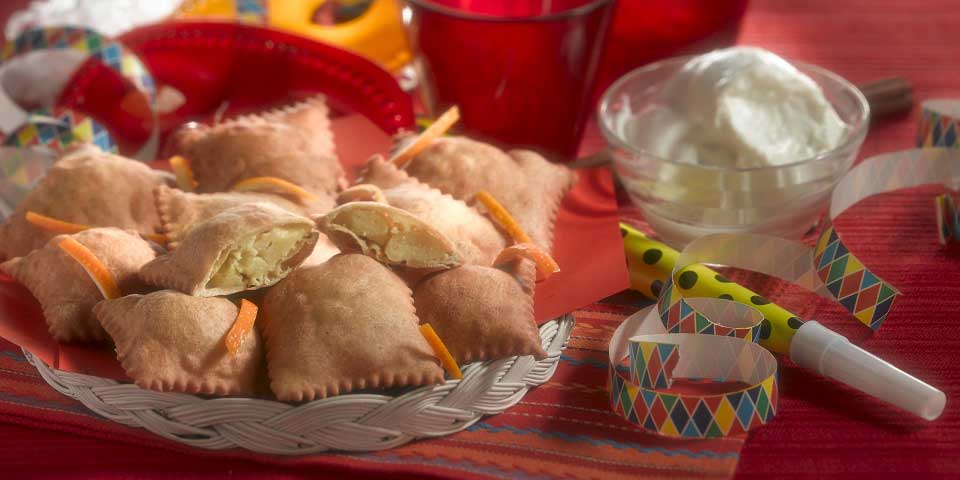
(521, 71)
(644, 31)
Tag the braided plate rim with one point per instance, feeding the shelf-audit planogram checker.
(353, 422)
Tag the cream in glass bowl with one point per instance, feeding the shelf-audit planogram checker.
(735, 140)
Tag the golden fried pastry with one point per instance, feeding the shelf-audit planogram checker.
(346, 324)
(477, 240)
(363, 192)
(389, 235)
(481, 313)
(91, 187)
(311, 116)
(66, 292)
(290, 145)
(528, 185)
(180, 211)
(242, 248)
(171, 342)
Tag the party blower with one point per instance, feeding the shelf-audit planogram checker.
(809, 344)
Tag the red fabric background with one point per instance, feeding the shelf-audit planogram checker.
(823, 429)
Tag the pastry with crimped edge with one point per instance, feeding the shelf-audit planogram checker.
(527, 184)
(293, 144)
(172, 342)
(91, 187)
(485, 313)
(389, 235)
(345, 325)
(242, 248)
(66, 290)
(477, 239)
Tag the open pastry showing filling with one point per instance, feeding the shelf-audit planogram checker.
(172, 342)
(90, 187)
(181, 211)
(65, 288)
(242, 248)
(477, 239)
(259, 258)
(346, 324)
(390, 235)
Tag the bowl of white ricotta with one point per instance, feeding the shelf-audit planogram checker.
(735, 140)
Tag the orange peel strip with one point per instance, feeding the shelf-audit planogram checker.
(440, 350)
(156, 237)
(503, 217)
(181, 168)
(242, 326)
(546, 265)
(433, 132)
(51, 224)
(274, 185)
(97, 271)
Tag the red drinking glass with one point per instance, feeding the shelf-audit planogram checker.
(643, 31)
(521, 71)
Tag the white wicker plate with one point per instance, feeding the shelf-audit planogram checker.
(354, 422)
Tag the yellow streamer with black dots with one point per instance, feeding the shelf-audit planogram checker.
(650, 264)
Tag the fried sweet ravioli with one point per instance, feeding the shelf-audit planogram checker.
(344, 325)
(242, 248)
(91, 187)
(529, 186)
(477, 240)
(390, 235)
(66, 292)
(294, 144)
(481, 313)
(172, 342)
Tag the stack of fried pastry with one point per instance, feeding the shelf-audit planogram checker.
(256, 269)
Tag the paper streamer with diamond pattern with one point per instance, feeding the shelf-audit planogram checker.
(940, 127)
(710, 337)
(948, 218)
(939, 124)
(55, 129)
(830, 269)
(699, 338)
(651, 265)
(860, 291)
(112, 54)
(643, 393)
(40, 130)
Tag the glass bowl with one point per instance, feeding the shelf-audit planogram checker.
(683, 201)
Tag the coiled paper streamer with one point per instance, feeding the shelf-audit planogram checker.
(54, 129)
(948, 218)
(828, 269)
(939, 127)
(710, 338)
(939, 123)
(650, 264)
